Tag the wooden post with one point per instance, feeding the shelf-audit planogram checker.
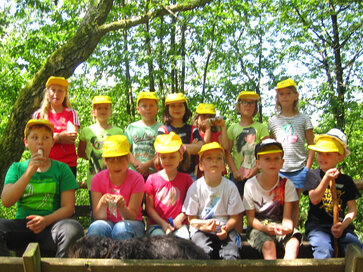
(333, 192)
(353, 259)
(31, 258)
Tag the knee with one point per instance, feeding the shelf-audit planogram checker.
(127, 229)
(269, 246)
(99, 228)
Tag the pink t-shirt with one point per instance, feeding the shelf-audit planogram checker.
(133, 184)
(168, 195)
(62, 152)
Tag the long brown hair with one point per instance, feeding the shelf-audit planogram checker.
(46, 105)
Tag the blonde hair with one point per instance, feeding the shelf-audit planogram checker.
(45, 105)
(295, 106)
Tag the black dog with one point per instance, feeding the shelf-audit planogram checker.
(167, 247)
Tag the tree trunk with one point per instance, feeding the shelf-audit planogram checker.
(182, 77)
(149, 52)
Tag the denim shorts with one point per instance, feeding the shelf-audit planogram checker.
(297, 177)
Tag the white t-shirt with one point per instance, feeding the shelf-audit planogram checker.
(268, 204)
(213, 202)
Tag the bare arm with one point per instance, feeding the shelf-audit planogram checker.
(194, 147)
(131, 211)
(155, 216)
(81, 151)
(309, 134)
(203, 225)
(223, 138)
(316, 194)
(231, 163)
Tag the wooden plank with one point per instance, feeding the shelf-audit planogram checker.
(31, 258)
(11, 264)
(353, 259)
(102, 265)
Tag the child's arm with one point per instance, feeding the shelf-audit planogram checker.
(13, 191)
(209, 225)
(179, 219)
(316, 194)
(166, 227)
(99, 204)
(131, 211)
(287, 223)
(194, 147)
(230, 225)
(142, 168)
(253, 222)
(338, 228)
(38, 223)
(232, 166)
(81, 151)
(309, 135)
(223, 138)
(65, 137)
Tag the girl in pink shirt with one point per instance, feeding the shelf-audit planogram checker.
(57, 109)
(166, 189)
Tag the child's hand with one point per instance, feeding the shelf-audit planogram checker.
(237, 176)
(143, 169)
(36, 223)
(332, 173)
(223, 234)
(219, 122)
(120, 201)
(211, 225)
(337, 230)
(271, 228)
(65, 137)
(167, 228)
(106, 198)
(36, 160)
(282, 230)
(178, 222)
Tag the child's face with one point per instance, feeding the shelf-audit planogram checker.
(270, 163)
(212, 162)
(177, 110)
(117, 166)
(170, 161)
(147, 108)
(102, 112)
(57, 93)
(39, 138)
(246, 107)
(328, 160)
(202, 119)
(286, 97)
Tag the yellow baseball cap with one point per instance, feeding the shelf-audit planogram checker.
(286, 83)
(103, 99)
(248, 95)
(115, 146)
(57, 81)
(40, 122)
(268, 146)
(334, 141)
(209, 146)
(167, 143)
(206, 109)
(146, 95)
(175, 97)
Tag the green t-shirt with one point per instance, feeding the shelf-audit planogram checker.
(244, 141)
(141, 138)
(42, 196)
(94, 137)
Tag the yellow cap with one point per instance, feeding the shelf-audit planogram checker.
(209, 146)
(103, 99)
(286, 83)
(248, 95)
(57, 81)
(146, 95)
(167, 143)
(268, 146)
(40, 122)
(175, 97)
(206, 109)
(115, 146)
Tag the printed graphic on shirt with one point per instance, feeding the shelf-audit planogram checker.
(209, 210)
(39, 195)
(245, 143)
(144, 145)
(287, 134)
(168, 196)
(327, 201)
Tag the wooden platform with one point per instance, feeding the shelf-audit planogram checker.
(31, 261)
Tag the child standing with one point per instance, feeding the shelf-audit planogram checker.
(166, 189)
(320, 227)
(268, 201)
(243, 137)
(56, 108)
(175, 116)
(43, 190)
(117, 193)
(141, 134)
(91, 138)
(213, 206)
(292, 128)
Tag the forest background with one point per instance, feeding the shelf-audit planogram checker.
(208, 49)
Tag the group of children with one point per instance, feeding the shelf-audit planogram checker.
(157, 163)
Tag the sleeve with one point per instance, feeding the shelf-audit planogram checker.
(311, 182)
(248, 197)
(75, 118)
(128, 135)
(138, 184)
(162, 130)
(191, 203)
(196, 134)
(97, 184)
(68, 181)
(352, 190)
(82, 134)
(36, 115)
(290, 192)
(264, 132)
(13, 174)
(308, 124)
(230, 132)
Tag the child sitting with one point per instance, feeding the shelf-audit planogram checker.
(213, 205)
(43, 190)
(166, 189)
(268, 200)
(117, 193)
(320, 228)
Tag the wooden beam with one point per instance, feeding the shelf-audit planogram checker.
(353, 259)
(31, 258)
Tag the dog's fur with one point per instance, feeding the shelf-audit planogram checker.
(167, 247)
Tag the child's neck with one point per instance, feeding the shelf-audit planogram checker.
(103, 124)
(177, 122)
(57, 109)
(148, 123)
(169, 175)
(212, 180)
(287, 111)
(45, 167)
(246, 121)
(267, 181)
(117, 180)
